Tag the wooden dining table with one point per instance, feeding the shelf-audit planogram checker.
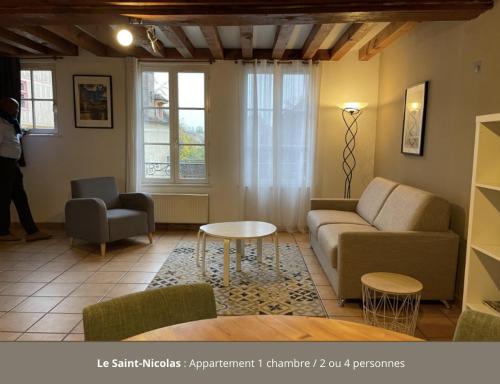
(271, 328)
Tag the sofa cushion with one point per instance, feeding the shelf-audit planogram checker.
(373, 198)
(317, 218)
(126, 222)
(411, 209)
(328, 236)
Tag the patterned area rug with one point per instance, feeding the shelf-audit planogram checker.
(257, 290)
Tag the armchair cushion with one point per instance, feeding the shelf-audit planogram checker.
(129, 315)
(328, 237)
(374, 197)
(104, 188)
(140, 202)
(477, 326)
(318, 218)
(126, 223)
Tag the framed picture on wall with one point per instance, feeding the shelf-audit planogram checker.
(412, 142)
(93, 101)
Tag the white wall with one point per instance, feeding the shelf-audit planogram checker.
(54, 161)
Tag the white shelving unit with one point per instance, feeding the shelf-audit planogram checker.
(482, 271)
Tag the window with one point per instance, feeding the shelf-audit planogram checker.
(38, 99)
(173, 113)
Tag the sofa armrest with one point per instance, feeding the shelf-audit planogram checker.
(140, 202)
(430, 257)
(86, 219)
(335, 204)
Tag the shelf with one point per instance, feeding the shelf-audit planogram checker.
(488, 250)
(481, 307)
(491, 187)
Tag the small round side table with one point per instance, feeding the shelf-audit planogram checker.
(391, 301)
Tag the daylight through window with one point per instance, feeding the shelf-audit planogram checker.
(173, 126)
(37, 109)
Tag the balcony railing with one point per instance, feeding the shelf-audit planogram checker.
(188, 170)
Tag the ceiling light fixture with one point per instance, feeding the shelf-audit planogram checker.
(151, 33)
(124, 37)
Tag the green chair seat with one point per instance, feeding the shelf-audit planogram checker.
(129, 315)
(477, 326)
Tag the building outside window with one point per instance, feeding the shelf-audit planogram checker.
(38, 101)
(173, 113)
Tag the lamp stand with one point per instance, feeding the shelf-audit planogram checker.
(350, 117)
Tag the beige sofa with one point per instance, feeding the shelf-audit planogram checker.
(391, 228)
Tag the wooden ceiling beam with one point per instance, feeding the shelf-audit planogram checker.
(9, 50)
(213, 41)
(188, 8)
(352, 36)
(82, 39)
(23, 42)
(283, 35)
(246, 41)
(316, 37)
(384, 38)
(179, 39)
(50, 40)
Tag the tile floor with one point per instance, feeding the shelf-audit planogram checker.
(45, 285)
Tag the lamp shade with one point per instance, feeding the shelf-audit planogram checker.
(353, 106)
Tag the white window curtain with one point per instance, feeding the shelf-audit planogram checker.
(132, 97)
(279, 114)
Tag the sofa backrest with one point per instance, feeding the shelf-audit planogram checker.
(374, 197)
(411, 209)
(104, 188)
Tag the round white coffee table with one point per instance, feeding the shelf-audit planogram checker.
(239, 231)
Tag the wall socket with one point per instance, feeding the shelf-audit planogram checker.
(477, 66)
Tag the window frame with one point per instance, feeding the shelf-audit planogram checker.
(173, 71)
(30, 66)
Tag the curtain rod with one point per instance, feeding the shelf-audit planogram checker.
(315, 62)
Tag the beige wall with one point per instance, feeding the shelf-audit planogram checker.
(54, 161)
(445, 54)
(346, 80)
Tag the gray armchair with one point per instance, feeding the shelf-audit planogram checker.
(98, 213)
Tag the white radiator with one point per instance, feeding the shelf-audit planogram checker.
(177, 208)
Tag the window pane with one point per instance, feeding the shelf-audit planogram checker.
(42, 84)
(155, 89)
(44, 115)
(157, 161)
(156, 126)
(191, 126)
(191, 90)
(25, 85)
(192, 161)
(26, 114)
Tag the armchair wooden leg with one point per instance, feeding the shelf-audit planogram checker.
(103, 249)
(150, 237)
(70, 242)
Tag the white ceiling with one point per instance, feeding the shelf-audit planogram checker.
(263, 36)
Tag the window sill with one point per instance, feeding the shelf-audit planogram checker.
(179, 185)
(42, 134)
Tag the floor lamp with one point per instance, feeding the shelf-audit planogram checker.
(350, 114)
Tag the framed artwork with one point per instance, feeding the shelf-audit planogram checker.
(93, 101)
(412, 142)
